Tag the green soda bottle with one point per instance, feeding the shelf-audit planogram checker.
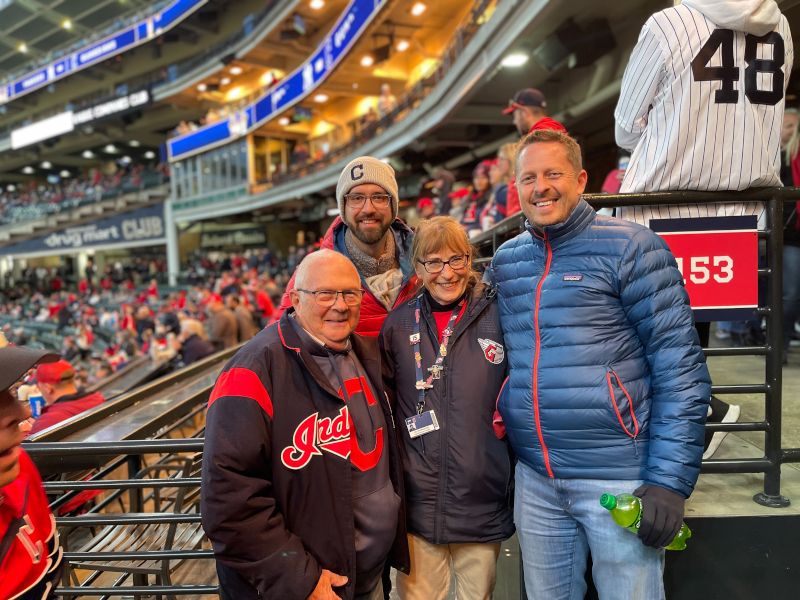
(626, 511)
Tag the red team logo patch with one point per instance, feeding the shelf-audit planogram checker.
(316, 434)
(492, 351)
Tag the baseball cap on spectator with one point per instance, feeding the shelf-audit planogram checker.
(16, 361)
(423, 203)
(526, 97)
(55, 372)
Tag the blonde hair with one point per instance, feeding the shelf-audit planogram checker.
(508, 152)
(193, 327)
(443, 233)
(551, 135)
(793, 145)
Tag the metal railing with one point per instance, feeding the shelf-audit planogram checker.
(129, 455)
(772, 310)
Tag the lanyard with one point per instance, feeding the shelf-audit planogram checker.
(436, 368)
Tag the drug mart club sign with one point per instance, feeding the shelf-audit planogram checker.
(718, 258)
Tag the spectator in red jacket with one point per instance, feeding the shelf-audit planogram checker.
(30, 556)
(63, 399)
(528, 109)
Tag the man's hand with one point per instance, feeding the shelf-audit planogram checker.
(327, 581)
(662, 515)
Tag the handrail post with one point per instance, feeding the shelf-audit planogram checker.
(771, 496)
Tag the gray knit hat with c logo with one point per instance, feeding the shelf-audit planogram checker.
(367, 169)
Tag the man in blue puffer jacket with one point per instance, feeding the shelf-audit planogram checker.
(608, 387)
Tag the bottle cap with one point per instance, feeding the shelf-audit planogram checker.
(608, 501)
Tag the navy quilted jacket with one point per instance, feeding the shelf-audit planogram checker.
(607, 377)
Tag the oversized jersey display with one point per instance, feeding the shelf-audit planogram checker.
(702, 103)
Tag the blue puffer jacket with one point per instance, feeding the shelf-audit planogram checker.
(607, 377)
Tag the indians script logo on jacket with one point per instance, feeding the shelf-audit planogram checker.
(316, 434)
(492, 351)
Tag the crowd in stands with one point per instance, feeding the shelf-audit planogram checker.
(108, 319)
(35, 199)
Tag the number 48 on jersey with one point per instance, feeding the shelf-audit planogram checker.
(763, 77)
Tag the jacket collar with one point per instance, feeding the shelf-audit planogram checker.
(366, 355)
(477, 300)
(580, 218)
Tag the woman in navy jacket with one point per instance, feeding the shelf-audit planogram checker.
(444, 365)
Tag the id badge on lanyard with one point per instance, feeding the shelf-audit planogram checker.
(419, 425)
(425, 421)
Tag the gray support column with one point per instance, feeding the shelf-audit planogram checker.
(173, 251)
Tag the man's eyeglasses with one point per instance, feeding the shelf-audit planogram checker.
(378, 200)
(329, 297)
(437, 266)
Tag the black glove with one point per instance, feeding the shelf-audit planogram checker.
(662, 515)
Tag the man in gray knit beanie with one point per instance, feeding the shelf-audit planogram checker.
(369, 233)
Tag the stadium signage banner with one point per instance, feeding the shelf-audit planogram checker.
(718, 258)
(67, 121)
(122, 41)
(143, 226)
(287, 92)
(112, 107)
(243, 236)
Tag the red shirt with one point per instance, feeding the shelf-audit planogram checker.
(64, 408)
(30, 566)
(441, 317)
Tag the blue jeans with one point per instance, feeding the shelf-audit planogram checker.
(791, 291)
(559, 521)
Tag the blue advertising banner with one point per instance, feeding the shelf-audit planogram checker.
(143, 226)
(96, 52)
(289, 91)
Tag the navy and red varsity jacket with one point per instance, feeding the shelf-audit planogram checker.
(277, 478)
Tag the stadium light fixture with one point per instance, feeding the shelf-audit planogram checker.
(514, 59)
(317, 4)
(23, 47)
(149, 155)
(11, 187)
(110, 149)
(87, 154)
(27, 170)
(418, 9)
(202, 87)
(321, 98)
(283, 121)
(64, 174)
(402, 45)
(134, 143)
(225, 81)
(126, 160)
(367, 61)
(236, 70)
(67, 24)
(46, 164)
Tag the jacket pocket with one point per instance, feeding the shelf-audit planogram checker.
(616, 389)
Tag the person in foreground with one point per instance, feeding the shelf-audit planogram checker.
(444, 365)
(31, 557)
(302, 484)
(608, 387)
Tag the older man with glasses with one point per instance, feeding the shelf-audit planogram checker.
(369, 233)
(302, 483)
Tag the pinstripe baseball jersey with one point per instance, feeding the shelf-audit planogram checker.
(701, 104)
